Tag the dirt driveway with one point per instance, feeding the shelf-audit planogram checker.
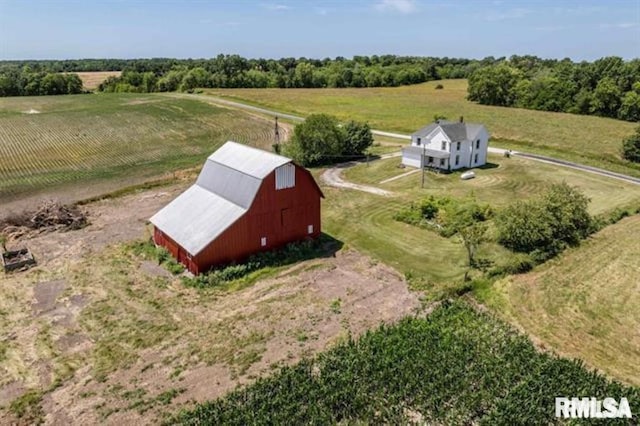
(98, 335)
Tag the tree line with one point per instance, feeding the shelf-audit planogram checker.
(607, 87)
(26, 82)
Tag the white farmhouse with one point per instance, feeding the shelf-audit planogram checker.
(447, 145)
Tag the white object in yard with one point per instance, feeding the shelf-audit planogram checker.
(468, 175)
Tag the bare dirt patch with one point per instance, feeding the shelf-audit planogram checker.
(46, 294)
(112, 338)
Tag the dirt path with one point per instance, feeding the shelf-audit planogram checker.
(333, 177)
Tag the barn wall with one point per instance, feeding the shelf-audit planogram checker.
(282, 216)
(180, 254)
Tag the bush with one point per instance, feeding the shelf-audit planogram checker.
(631, 147)
(444, 215)
(439, 86)
(546, 224)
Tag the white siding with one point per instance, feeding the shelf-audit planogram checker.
(411, 159)
(286, 176)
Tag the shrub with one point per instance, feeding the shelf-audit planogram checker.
(546, 224)
(631, 147)
(439, 86)
(444, 215)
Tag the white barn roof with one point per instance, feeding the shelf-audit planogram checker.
(224, 191)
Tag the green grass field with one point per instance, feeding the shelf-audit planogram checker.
(586, 139)
(585, 303)
(366, 221)
(87, 139)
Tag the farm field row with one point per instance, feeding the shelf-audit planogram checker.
(585, 139)
(92, 138)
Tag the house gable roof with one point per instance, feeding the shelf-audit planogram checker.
(223, 192)
(455, 131)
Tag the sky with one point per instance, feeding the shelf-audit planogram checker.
(65, 29)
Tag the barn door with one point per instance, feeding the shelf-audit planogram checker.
(285, 218)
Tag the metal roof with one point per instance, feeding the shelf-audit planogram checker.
(235, 186)
(245, 159)
(224, 191)
(454, 130)
(427, 152)
(196, 218)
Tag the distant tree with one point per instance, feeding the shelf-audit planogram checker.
(494, 85)
(631, 147)
(358, 138)
(303, 75)
(149, 81)
(74, 84)
(317, 140)
(630, 107)
(606, 98)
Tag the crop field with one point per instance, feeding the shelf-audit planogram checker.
(455, 367)
(585, 303)
(586, 139)
(47, 142)
(91, 80)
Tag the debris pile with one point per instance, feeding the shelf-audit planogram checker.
(49, 217)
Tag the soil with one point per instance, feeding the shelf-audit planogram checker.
(301, 311)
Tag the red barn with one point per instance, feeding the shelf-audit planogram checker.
(244, 201)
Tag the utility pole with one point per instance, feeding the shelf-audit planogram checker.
(424, 151)
(276, 145)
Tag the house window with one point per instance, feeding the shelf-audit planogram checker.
(457, 160)
(309, 229)
(478, 144)
(263, 241)
(418, 142)
(458, 146)
(475, 160)
(286, 176)
(444, 146)
(442, 162)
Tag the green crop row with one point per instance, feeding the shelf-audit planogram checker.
(456, 366)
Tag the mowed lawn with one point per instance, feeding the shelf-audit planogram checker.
(587, 139)
(50, 141)
(366, 222)
(501, 182)
(584, 304)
